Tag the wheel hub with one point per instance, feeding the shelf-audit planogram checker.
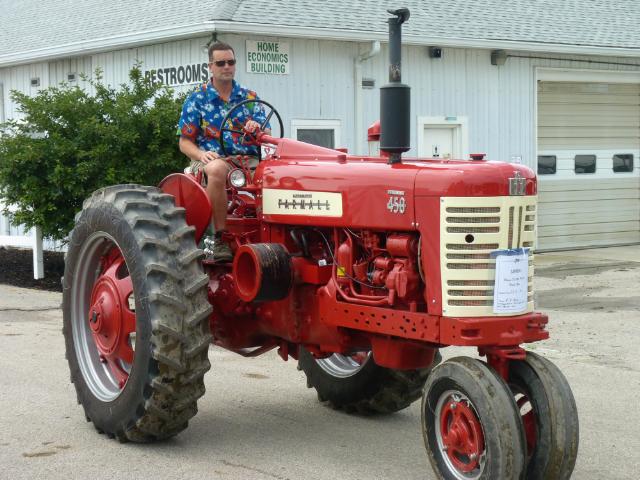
(105, 315)
(461, 436)
(111, 321)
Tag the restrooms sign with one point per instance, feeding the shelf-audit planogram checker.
(179, 75)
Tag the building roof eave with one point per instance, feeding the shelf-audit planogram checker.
(98, 45)
(365, 36)
(163, 35)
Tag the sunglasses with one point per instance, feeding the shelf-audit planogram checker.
(221, 63)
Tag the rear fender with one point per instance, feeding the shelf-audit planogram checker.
(192, 196)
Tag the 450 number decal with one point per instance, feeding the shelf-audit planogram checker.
(397, 203)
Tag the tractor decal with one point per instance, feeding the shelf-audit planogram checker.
(297, 202)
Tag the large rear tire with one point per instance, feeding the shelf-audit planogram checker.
(136, 315)
(356, 384)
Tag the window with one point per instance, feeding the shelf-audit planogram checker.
(623, 162)
(324, 133)
(317, 136)
(547, 164)
(585, 164)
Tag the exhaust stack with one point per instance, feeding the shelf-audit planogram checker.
(395, 97)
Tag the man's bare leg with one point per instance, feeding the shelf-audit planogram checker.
(216, 171)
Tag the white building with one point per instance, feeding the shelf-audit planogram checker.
(553, 84)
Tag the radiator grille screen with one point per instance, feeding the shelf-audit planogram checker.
(473, 227)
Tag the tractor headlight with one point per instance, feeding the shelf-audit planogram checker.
(237, 178)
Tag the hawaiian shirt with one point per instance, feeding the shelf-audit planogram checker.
(204, 110)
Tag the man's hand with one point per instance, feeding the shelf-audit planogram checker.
(207, 156)
(251, 126)
(191, 150)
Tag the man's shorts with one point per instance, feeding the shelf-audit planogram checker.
(197, 166)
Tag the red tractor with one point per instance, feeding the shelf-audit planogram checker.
(361, 268)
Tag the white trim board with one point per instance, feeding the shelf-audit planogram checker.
(586, 75)
(168, 34)
(460, 124)
(317, 124)
(2, 112)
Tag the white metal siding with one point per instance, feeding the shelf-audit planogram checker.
(2, 114)
(602, 208)
(59, 70)
(499, 102)
(19, 78)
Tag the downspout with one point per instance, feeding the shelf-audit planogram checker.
(359, 123)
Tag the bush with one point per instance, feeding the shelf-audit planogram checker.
(71, 142)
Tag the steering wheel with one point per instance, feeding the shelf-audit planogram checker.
(240, 131)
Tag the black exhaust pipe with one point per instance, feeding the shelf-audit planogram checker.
(395, 97)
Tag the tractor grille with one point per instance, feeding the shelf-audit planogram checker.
(471, 228)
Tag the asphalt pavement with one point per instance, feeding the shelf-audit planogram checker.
(258, 420)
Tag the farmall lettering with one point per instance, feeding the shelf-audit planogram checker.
(295, 202)
(359, 268)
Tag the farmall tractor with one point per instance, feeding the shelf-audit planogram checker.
(361, 268)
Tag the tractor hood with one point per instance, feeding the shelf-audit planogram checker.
(467, 178)
(324, 187)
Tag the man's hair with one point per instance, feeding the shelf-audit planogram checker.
(220, 46)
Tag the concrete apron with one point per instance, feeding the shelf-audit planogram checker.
(589, 279)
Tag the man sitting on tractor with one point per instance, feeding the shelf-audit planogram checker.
(200, 138)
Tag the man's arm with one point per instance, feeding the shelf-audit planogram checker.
(258, 116)
(191, 150)
(188, 130)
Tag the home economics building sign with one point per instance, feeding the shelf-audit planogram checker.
(267, 57)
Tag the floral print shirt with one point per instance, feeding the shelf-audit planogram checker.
(204, 110)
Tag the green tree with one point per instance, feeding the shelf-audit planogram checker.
(72, 141)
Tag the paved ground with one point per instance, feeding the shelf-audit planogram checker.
(258, 421)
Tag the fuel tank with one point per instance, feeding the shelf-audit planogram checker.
(308, 185)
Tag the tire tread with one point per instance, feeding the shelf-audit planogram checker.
(177, 305)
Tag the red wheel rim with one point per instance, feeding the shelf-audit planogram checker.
(460, 432)
(529, 421)
(361, 357)
(110, 319)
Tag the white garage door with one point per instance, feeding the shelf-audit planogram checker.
(588, 164)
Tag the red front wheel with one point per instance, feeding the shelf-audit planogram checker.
(470, 423)
(549, 417)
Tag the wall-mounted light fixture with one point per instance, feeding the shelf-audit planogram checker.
(435, 52)
(498, 57)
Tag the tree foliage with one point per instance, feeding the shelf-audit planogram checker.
(71, 141)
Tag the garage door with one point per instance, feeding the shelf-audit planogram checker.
(588, 164)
